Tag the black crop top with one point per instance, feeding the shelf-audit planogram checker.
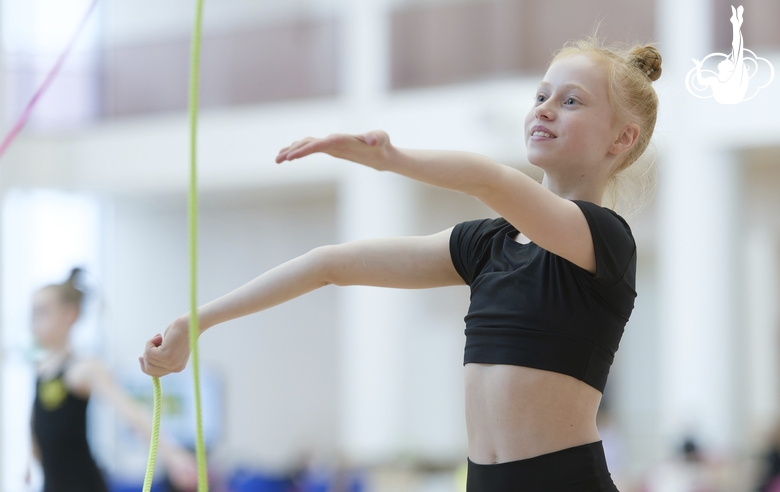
(532, 308)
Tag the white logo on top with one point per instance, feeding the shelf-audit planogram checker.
(729, 84)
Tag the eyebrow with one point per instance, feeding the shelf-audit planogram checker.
(566, 86)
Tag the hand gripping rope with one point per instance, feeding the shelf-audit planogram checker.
(200, 448)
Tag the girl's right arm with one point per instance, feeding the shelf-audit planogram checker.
(405, 262)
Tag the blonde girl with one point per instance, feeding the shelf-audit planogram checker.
(552, 279)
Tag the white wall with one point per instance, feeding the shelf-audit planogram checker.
(278, 367)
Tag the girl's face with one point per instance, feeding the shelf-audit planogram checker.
(51, 318)
(573, 108)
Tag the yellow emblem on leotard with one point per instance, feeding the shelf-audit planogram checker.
(52, 393)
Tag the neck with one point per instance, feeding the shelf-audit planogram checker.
(574, 187)
(56, 355)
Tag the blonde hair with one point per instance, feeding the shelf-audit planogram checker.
(630, 70)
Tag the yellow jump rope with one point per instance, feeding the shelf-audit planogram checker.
(200, 448)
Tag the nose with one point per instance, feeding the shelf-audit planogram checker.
(544, 110)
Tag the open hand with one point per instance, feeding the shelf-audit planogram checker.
(368, 148)
(167, 353)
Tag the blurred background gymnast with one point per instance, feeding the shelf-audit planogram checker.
(65, 384)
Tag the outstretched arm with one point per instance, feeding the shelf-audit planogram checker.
(553, 223)
(404, 262)
(466, 172)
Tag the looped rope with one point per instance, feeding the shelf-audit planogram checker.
(200, 448)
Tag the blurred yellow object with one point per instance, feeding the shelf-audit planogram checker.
(460, 477)
(52, 393)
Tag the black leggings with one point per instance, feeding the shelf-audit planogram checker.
(578, 469)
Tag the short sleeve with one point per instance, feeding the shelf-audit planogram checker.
(613, 243)
(469, 243)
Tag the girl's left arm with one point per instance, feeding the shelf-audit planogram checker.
(553, 223)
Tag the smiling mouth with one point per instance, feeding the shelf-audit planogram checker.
(542, 134)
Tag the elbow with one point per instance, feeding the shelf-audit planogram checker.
(322, 260)
(489, 181)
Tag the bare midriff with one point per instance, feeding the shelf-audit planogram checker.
(515, 412)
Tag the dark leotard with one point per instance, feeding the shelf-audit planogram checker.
(60, 429)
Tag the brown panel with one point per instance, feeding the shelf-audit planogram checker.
(550, 23)
(278, 62)
(271, 63)
(453, 43)
(145, 79)
(759, 30)
(450, 43)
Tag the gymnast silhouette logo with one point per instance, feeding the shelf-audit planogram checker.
(730, 84)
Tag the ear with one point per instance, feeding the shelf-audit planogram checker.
(625, 140)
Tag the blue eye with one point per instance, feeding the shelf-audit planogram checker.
(539, 96)
(571, 99)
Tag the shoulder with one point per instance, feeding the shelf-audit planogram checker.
(470, 242)
(613, 242)
(480, 228)
(605, 221)
(82, 374)
(472, 237)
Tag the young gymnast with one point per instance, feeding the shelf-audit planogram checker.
(552, 280)
(65, 384)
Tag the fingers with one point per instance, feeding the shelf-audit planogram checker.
(338, 145)
(156, 340)
(152, 369)
(328, 144)
(285, 153)
(305, 149)
(153, 362)
(333, 144)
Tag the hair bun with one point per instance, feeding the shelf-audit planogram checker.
(648, 60)
(75, 275)
(74, 287)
